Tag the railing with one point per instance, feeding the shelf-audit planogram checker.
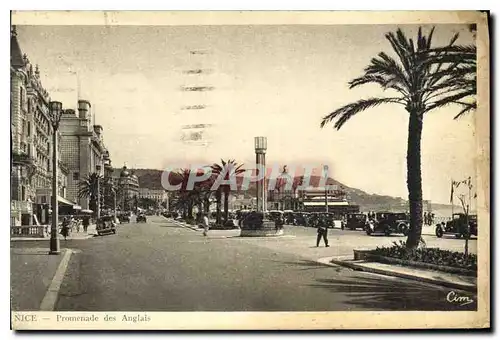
(30, 231)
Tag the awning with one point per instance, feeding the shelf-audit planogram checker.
(87, 211)
(68, 202)
(323, 203)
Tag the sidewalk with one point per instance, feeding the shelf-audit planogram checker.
(440, 278)
(32, 271)
(91, 231)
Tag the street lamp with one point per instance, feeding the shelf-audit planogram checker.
(98, 170)
(260, 154)
(325, 170)
(55, 118)
(114, 202)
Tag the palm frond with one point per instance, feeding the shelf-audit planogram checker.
(343, 114)
(451, 99)
(467, 108)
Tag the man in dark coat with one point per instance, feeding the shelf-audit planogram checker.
(322, 232)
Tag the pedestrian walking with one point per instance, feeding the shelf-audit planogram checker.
(86, 222)
(206, 224)
(278, 223)
(322, 232)
(65, 227)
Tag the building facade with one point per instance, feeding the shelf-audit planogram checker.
(152, 194)
(127, 186)
(83, 149)
(316, 199)
(31, 140)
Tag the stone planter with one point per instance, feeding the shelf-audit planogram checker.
(257, 226)
(367, 255)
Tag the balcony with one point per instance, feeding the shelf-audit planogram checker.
(21, 159)
(24, 207)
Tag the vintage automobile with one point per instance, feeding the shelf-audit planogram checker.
(356, 221)
(141, 218)
(458, 226)
(124, 218)
(106, 225)
(288, 217)
(388, 223)
(300, 218)
(273, 214)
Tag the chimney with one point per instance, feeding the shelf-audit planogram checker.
(83, 109)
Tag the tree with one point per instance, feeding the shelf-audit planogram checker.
(466, 202)
(228, 169)
(422, 79)
(88, 188)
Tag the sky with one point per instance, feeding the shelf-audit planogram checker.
(274, 81)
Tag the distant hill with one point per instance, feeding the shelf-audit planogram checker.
(151, 178)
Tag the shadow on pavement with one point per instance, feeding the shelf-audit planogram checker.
(310, 265)
(386, 294)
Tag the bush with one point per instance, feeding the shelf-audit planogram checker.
(222, 227)
(190, 221)
(429, 255)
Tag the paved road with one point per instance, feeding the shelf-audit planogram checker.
(163, 267)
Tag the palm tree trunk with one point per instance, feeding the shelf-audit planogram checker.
(218, 197)
(414, 178)
(207, 203)
(226, 206)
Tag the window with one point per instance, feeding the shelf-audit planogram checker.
(76, 176)
(21, 93)
(29, 129)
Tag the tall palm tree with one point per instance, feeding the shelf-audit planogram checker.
(229, 169)
(88, 188)
(421, 84)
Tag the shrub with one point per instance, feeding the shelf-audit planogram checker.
(429, 255)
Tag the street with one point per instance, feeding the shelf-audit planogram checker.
(160, 266)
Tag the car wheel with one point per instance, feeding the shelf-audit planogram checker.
(404, 229)
(458, 235)
(387, 231)
(439, 232)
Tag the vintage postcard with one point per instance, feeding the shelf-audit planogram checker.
(249, 170)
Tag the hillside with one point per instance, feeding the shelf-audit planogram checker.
(151, 178)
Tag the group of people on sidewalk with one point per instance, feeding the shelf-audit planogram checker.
(70, 224)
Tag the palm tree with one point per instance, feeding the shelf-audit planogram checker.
(88, 188)
(422, 83)
(229, 169)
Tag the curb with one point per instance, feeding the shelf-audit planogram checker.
(50, 299)
(21, 239)
(402, 275)
(180, 224)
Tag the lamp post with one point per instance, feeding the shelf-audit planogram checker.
(325, 170)
(114, 201)
(98, 170)
(55, 118)
(260, 160)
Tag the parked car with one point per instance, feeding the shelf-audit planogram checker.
(458, 226)
(288, 217)
(141, 218)
(273, 214)
(106, 225)
(356, 221)
(124, 218)
(388, 223)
